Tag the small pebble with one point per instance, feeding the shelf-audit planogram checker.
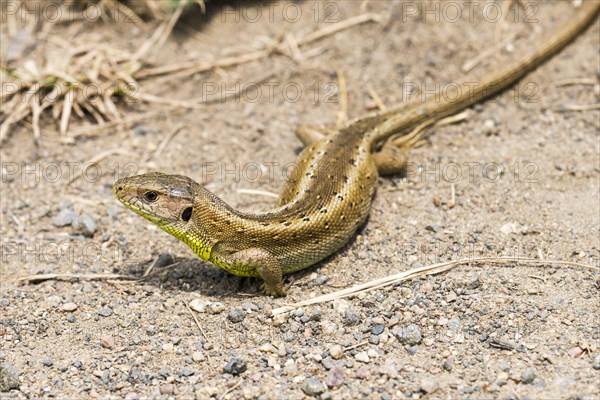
(168, 389)
(235, 366)
(68, 307)
(208, 306)
(341, 305)
(448, 364)
(8, 378)
(198, 356)
(105, 312)
(336, 351)
(316, 313)
(362, 357)
(107, 342)
(5, 302)
(85, 224)
(429, 385)
(377, 329)
(313, 387)
(374, 339)
(215, 308)
(451, 297)
(528, 375)
(351, 317)
(185, 371)
(163, 260)
(409, 335)
(508, 228)
(248, 306)
(47, 363)
(64, 217)
(198, 305)
(596, 363)
(236, 315)
(335, 377)
(71, 319)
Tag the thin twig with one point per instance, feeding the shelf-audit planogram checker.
(541, 278)
(231, 389)
(164, 29)
(97, 129)
(195, 66)
(99, 157)
(258, 192)
(354, 346)
(475, 61)
(163, 144)
(340, 26)
(82, 277)
(578, 107)
(343, 96)
(375, 96)
(195, 319)
(575, 81)
(420, 272)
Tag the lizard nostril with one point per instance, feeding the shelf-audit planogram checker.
(120, 188)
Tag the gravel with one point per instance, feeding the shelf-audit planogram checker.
(235, 366)
(86, 225)
(409, 335)
(163, 260)
(8, 378)
(335, 377)
(105, 312)
(313, 387)
(236, 315)
(377, 329)
(64, 217)
(448, 364)
(596, 363)
(520, 304)
(528, 376)
(351, 317)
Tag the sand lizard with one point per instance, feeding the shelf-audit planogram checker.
(330, 190)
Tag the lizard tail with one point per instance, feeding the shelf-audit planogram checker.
(434, 109)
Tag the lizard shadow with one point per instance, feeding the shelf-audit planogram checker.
(191, 274)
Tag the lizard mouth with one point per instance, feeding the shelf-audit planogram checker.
(134, 203)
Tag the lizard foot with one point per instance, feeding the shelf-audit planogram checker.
(272, 290)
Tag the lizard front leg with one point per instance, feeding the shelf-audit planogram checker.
(264, 263)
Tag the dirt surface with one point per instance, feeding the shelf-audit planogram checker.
(524, 170)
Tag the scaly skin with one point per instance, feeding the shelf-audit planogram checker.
(329, 193)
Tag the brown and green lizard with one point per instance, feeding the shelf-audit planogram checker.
(330, 190)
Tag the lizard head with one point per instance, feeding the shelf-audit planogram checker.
(165, 200)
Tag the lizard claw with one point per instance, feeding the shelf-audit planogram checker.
(271, 290)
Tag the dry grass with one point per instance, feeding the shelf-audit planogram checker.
(41, 71)
(92, 80)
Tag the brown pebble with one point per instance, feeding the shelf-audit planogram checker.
(107, 342)
(168, 388)
(68, 307)
(336, 351)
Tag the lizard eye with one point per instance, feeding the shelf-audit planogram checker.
(151, 196)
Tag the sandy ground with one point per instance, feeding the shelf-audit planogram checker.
(525, 174)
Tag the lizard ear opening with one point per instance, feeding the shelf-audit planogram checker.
(186, 214)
